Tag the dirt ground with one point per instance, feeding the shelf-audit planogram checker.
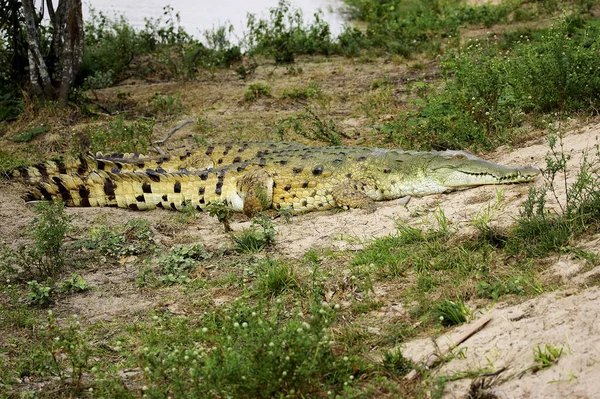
(567, 317)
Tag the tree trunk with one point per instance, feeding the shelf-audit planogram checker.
(41, 83)
(71, 55)
(52, 76)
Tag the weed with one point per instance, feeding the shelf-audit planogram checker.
(121, 136)
(297, 94)
(222, 212)
(286, 213)
(176, 265)
(165, 106)
(134, 238)
(30, 134)
(310, 125)
(274, 278)
(245, 351)
(450, 313)
(39, 294)
(540, 230)
(257, 90)
(44, 258)
(546, 357)
(70, 351)
(396, 363)
(74, 284)
(258, 237)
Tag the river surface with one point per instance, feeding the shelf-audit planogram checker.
(201, 15)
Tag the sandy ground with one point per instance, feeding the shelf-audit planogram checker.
(566, 318)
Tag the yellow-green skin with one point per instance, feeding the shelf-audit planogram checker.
(282, 175)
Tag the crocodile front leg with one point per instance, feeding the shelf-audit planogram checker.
(351, 194)
(255, 188)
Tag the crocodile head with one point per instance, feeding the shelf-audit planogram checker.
(423, 173)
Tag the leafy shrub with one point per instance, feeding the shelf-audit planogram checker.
(246, 351)
(39, 295)
(489, 91)
(44, 258)
(121, 136)
(111, 44)
(284, 35)
(134, 238)
(176, 265)
(74, 284)
(256, 238)
(254, 91)
(275, 277)
(310, 125)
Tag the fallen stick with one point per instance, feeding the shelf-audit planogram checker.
(433, 357)
(176, 128)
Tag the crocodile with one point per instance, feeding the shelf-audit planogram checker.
(297, 177)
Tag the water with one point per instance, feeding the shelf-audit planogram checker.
(201, 15)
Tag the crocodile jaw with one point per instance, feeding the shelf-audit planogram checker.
(455, 179)
(443, 180)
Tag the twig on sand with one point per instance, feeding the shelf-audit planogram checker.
(434, 357)
(176, 128)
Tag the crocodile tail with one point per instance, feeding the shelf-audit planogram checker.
(44, 172)
(132, 190)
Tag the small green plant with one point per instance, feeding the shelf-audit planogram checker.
(39, 294)
(258, 237)
(395, 362)
(44, 258)
(187, 214)
(286, 213)
(247, 351)
(257, 90)
(176, 265)
(30, 134)
(275, 277)
(121, 136)
(313, 90)
(134, 238)
(74, 284)
(70, 351)
(222, 212)
(8, 162)
(165, 106)
(450, 313)
(311, 126)
(546, 357)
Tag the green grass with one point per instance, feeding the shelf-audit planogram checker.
(259, 236)
(490, 91)
(274, 278)
(257, 90)
(121, 136)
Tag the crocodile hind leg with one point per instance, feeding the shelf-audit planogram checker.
(256, 190)
(350, 194)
